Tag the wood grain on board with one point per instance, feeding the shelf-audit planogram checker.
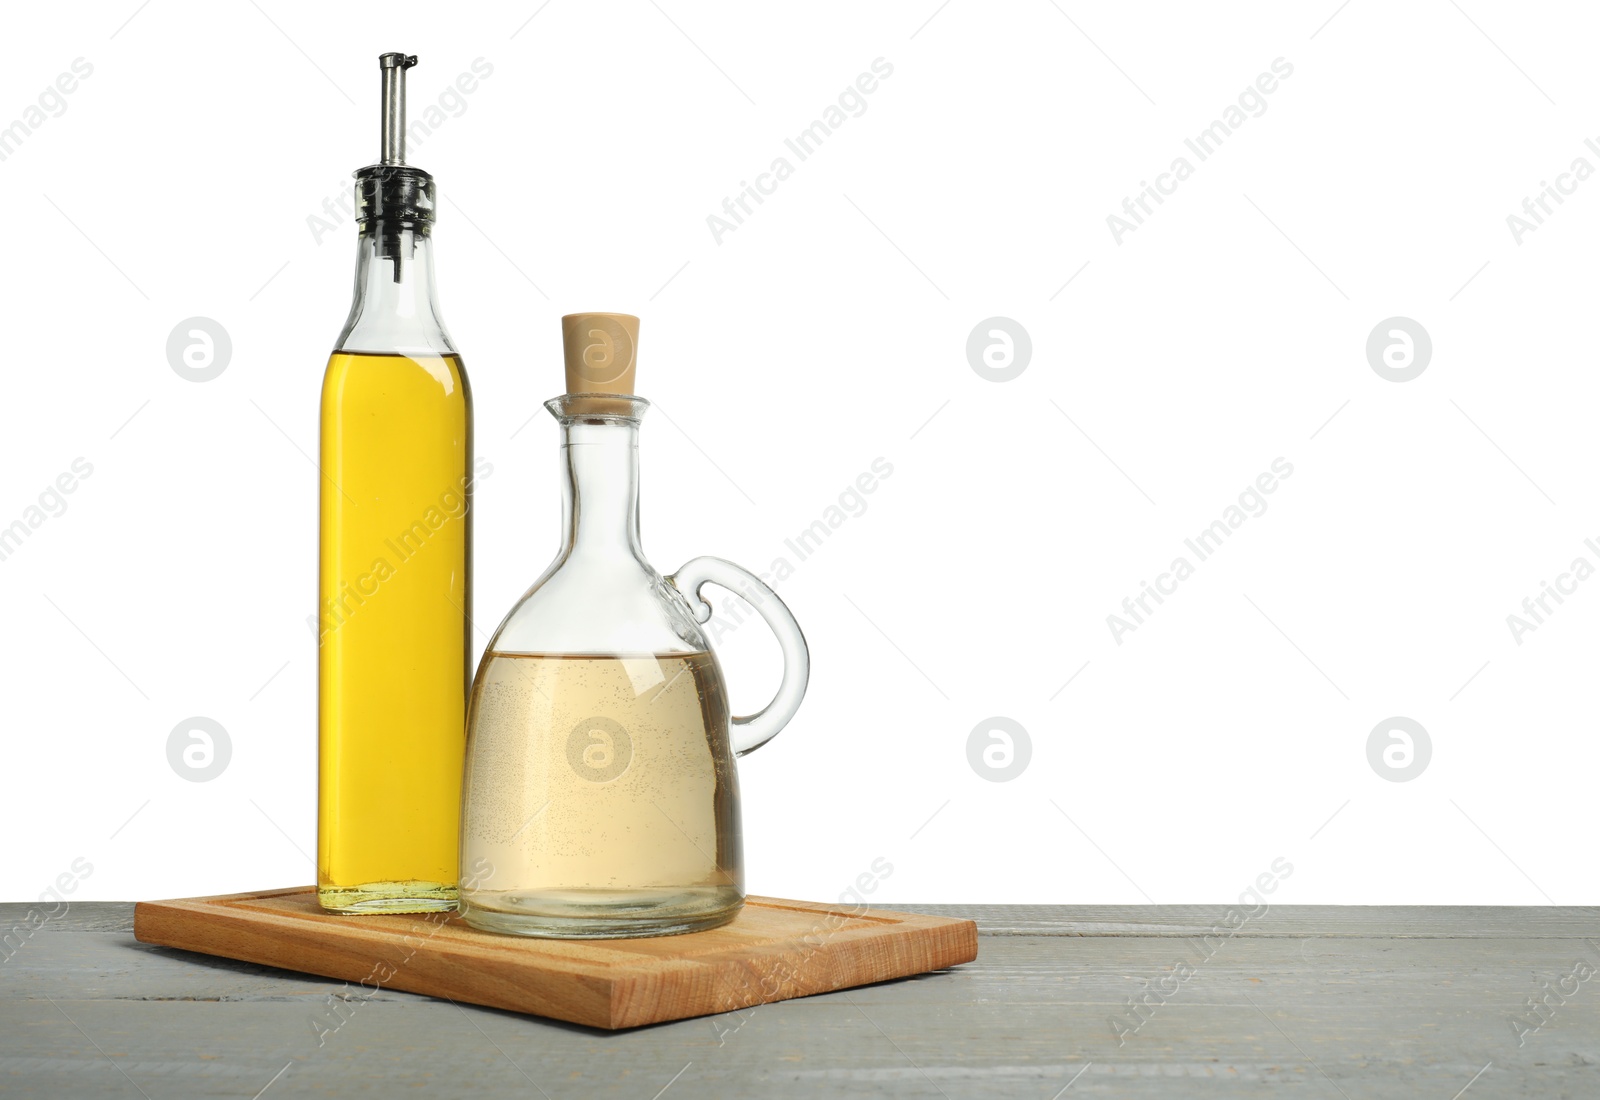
(773, 950)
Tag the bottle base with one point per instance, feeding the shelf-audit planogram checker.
(388, 897)
(601, 914)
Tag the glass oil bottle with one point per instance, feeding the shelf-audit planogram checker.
(394, 596)
(601, 797)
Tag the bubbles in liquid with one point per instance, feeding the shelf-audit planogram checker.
(600, 796)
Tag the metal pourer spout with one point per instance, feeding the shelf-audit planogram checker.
(394, 66)
(394, 201)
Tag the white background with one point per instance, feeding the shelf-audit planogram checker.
(829, 330)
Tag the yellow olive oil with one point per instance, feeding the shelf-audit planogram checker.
(394, 603)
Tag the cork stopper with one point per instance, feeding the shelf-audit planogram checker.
(601, 351)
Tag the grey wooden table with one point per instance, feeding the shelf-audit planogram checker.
(1063, 1002)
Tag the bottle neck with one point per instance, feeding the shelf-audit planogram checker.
(600, 494)
(396, 308)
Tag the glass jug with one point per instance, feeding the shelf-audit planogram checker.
(601, 797)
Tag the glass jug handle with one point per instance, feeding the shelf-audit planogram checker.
(752, 731)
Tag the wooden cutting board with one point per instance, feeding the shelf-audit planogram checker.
(772, 951)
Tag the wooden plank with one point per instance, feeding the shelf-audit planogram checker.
(773, 950)
(1359, 921)
(1400, 1003)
